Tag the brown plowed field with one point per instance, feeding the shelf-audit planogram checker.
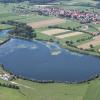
(45, 23)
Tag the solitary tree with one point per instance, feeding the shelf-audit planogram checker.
(91, 46)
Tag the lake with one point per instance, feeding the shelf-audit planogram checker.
(3, 33)
(46, 61)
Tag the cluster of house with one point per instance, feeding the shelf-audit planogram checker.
(82, 16)
(5, 76)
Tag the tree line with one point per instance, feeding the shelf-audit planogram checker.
(21, 29)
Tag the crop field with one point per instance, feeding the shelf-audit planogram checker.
(25, 18)
(78, 5)
(82, 8)
(92, 30)
(45, 23)
(94, 42)
(69, 23)
(75, 2)
(69, 35)
(5, 8)
(55, 31)
(32, 18)
(74, 39)
(7, 13)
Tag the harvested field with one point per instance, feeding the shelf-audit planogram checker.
(69, 35)
(94, 42)
(99, 28)
(54, 31)
(45, 23)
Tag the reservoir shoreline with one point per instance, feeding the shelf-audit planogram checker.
(46, 81)
(97, 76)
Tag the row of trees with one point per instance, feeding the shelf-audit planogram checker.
(21, 29)
(72, 44)
(9, 85)
(69, 28)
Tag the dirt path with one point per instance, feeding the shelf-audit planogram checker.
(21, 85)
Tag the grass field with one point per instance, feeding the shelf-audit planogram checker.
(33, 18)
(69, 23)
(6, 13)
(93, 91)
(25, 18)
(3, 26)
(37, 91)
(88, 5)
(75, 38)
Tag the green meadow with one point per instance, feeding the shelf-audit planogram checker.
(52, 91)
(3, 27)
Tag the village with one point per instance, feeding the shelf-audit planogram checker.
(5, 76)
(82, 16)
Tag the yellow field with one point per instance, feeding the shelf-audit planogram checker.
(69, 35)
(54, 31)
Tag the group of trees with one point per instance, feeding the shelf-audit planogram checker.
(84, 39)
(79, 40)
(21, 29)
(9, 85)
(61, 27)
(33, 80)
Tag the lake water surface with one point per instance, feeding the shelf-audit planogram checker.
(38, 60)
